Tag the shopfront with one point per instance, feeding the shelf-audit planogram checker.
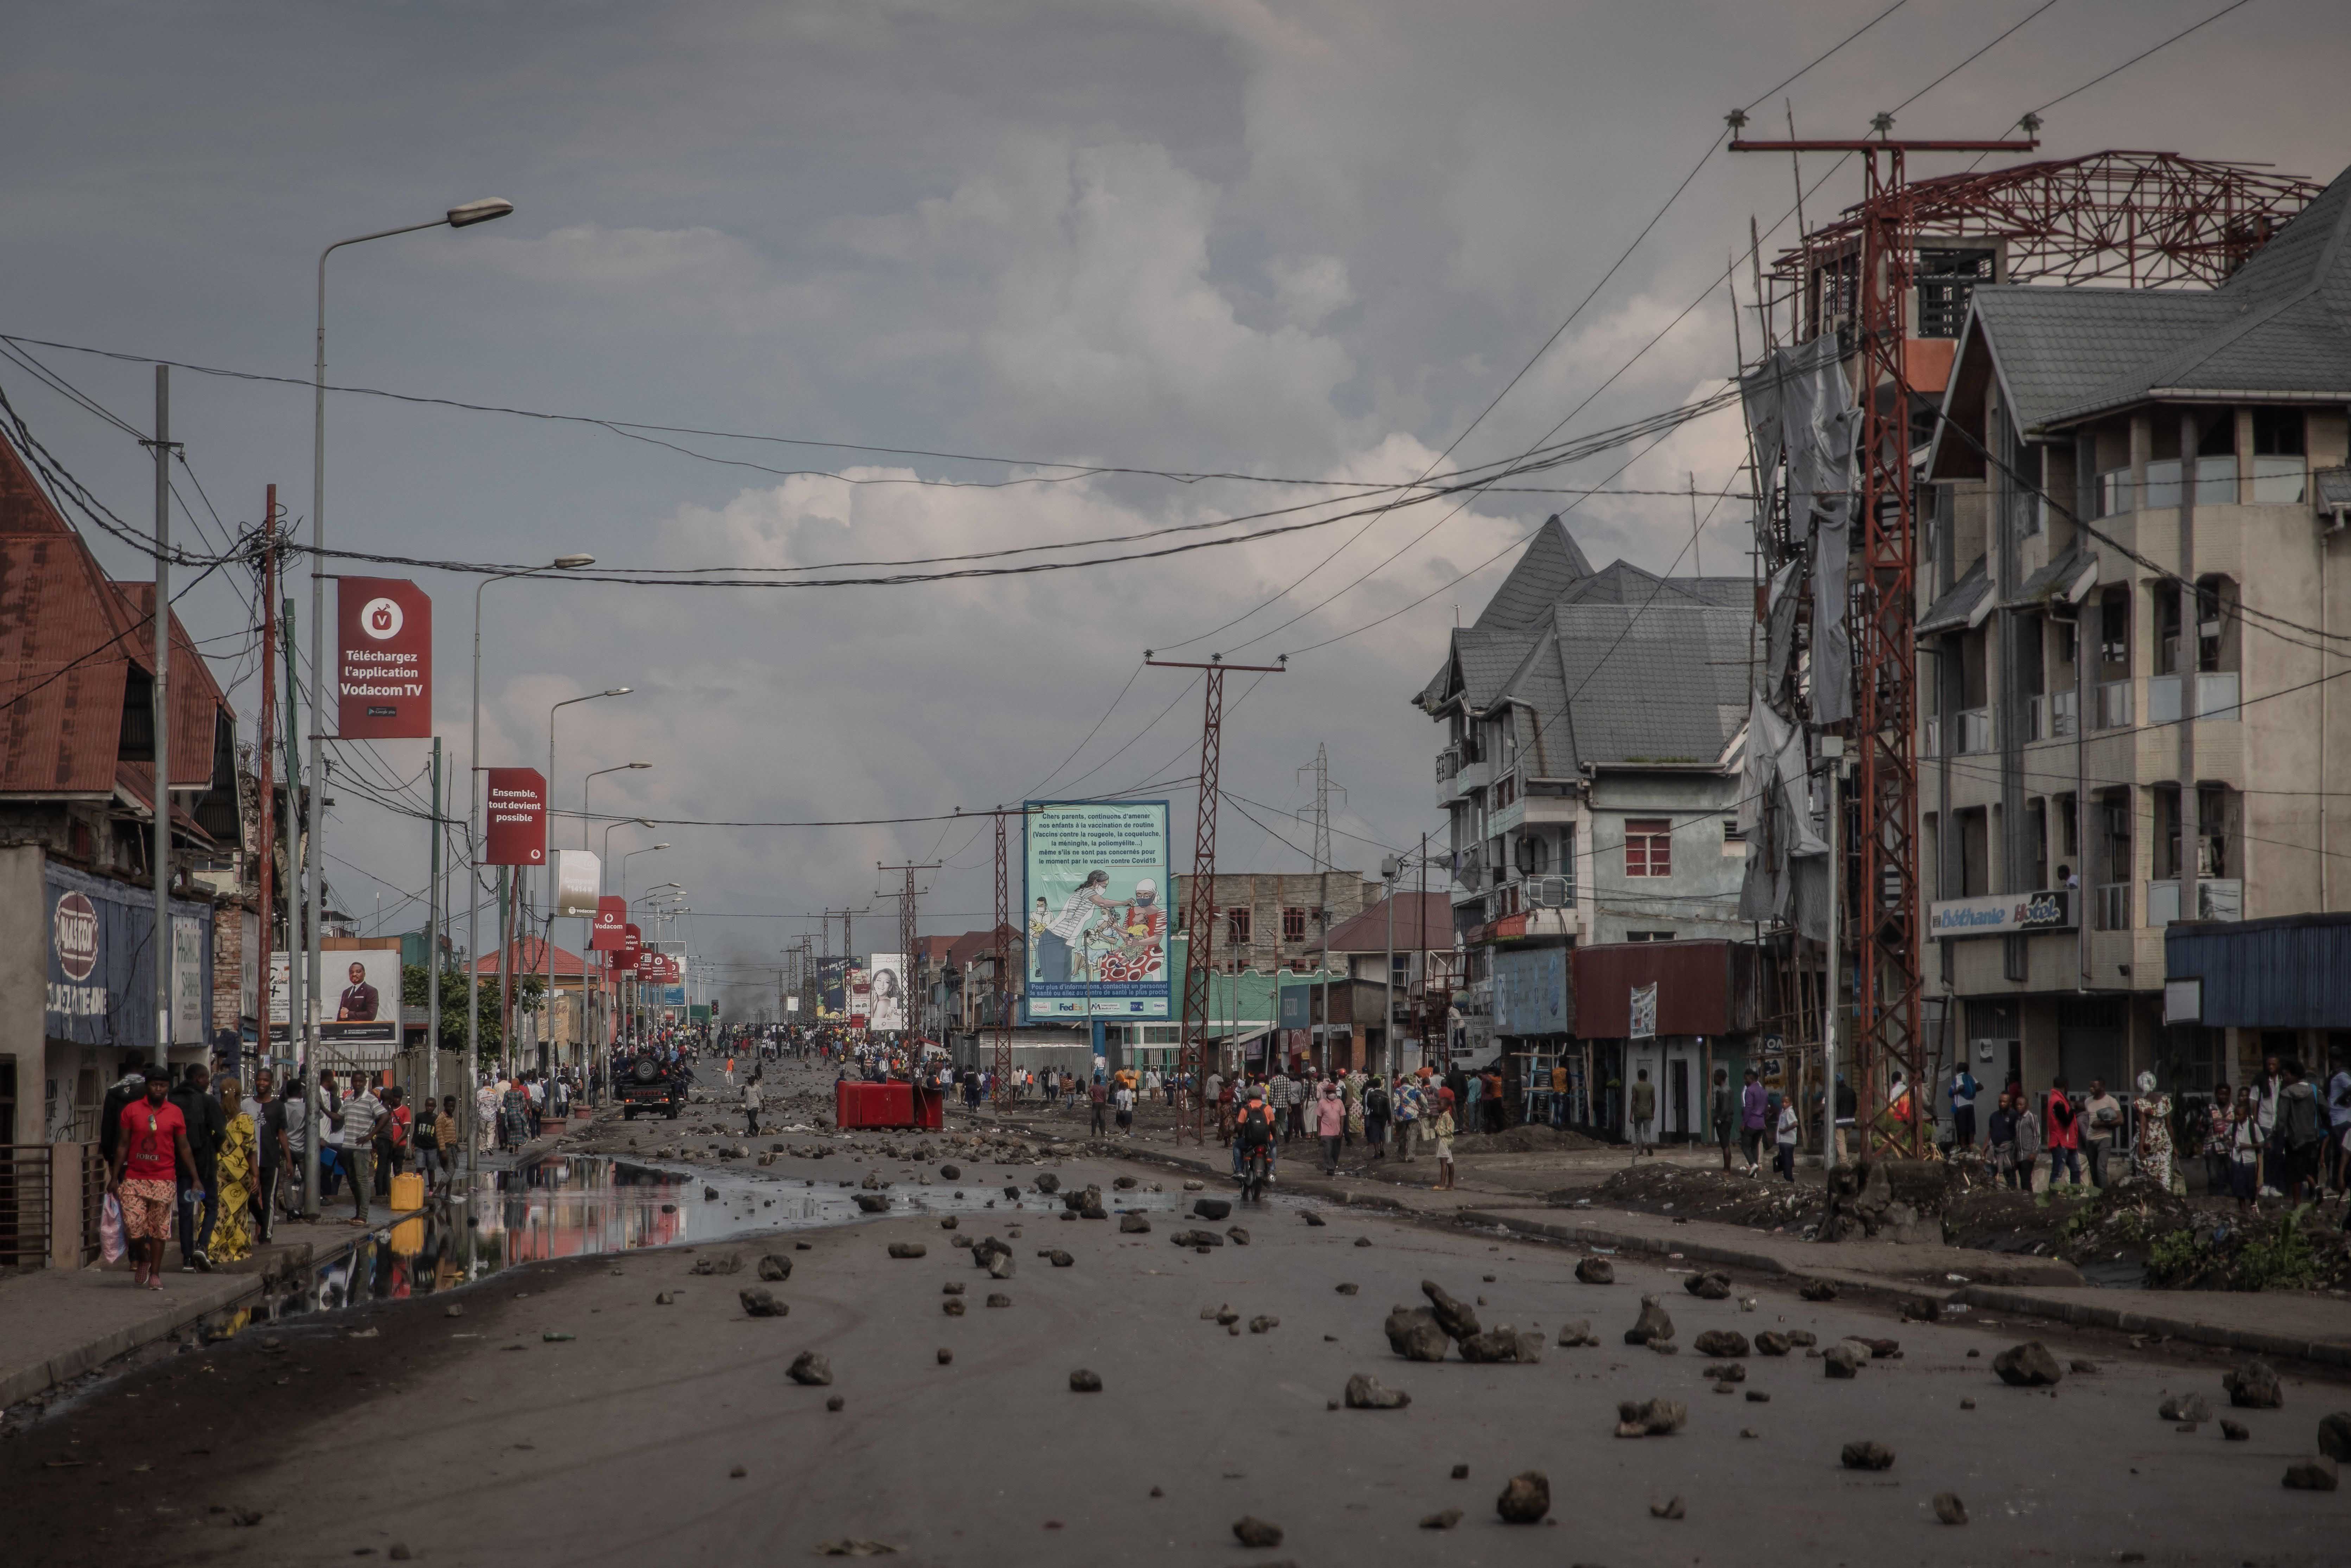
(1667, 1013)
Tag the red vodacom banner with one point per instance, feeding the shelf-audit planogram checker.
(632, 948)
(383, 660)
(611, 919)
(518, 833)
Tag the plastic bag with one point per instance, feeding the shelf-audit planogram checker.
(109, 1230)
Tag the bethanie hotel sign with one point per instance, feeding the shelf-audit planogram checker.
(2002, 913)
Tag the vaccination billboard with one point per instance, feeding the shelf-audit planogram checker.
(1096, 890)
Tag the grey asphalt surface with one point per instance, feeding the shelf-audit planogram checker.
(476, 1440)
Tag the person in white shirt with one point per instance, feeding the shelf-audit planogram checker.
(1784, 1159)
(1124, 1100)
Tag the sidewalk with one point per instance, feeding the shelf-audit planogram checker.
(2282, 1325)
(59, 1323)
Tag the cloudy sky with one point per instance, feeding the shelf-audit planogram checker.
(1294, 238)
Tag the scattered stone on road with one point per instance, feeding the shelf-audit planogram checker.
(1134, 1225)
(907, 1249)
(997, 1299)
(1576, 1331)
(1652, 1325)
(946, 1355)
(872, 1202)
(774, 1269)
(1262, 1324)
(1240, 1237)
(1817, 1291)
(2311, 1475)
(762, 1303)
(1720, 1341)
(1866, 1456)
(1414, 1333)
(1348, 1289)
(1212, 1207)
(951, 1306)
(1251, 1530)
(1454, 1317)
(1709, 1286)
(1771, 1342)
(2255, 1386)
(1596, 1272)
(1842, 1360)
(835, 1402)
(809, 1370)
(1949, 1509)
(1084, 1382)
(2027, 1365)
(2185, 1408)
(1670, 1509)
(1525, 1499)
(1650, 1418)
(1443, 1518)
(1061, 1259)
(2334, 1435)
(1365, 1393)
(1308, 1215)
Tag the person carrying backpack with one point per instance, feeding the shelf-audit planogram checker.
(2298, 1136)
(1375, 1117)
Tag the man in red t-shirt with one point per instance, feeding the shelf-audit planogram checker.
(149, 1153)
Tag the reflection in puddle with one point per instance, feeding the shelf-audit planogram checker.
(568, 1206)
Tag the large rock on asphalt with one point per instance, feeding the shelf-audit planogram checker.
(1525, 1499)
(1707, 1285)
(985, 1247)
(999, 1266)
(1576, 1332)
(1866, 1456)
(2335, 1436)
(1596, 1272)
(1453, 1315)
(1084, 1382)
(1771, 1342)
(775, 1269)
(1652, 1325)
(1251, 1530)
(1049, 1183)
(1415, 1334)
(908, 1250)
(2027, 1365)
(1197, 1239)
(1498, 1344)
(1134, 1225)
(1650, 1418)
(1364, 1392)
(2185, 1408)
(1842, 1360)
(809, 1369)
(1720, 1341)
(2253, 1386)
(1212, 1207)
(2311, 1475)
(872, 1202)
(951, 1173)
(762, 1303)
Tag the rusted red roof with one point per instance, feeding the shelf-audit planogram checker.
(980, 944)
(69, 636)
(530, 958)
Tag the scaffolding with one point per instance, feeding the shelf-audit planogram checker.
(1892, 278)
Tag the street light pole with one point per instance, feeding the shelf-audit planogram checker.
(462, 217)
(474, 858)
(548, 1057)
(1391, 869)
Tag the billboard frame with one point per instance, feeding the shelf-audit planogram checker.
(1131, 1007)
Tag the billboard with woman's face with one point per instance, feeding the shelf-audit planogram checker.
(1097, 890)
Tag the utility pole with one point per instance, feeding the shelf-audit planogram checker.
(433, 949)
(1002, 1043)
(1321, 769)
(1200, 908)
(263, 760)
(160, 696)
(299, 808)
(909, 1023)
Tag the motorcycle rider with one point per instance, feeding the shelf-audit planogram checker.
(1253, 1129)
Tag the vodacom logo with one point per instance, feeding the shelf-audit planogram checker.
(381, 619)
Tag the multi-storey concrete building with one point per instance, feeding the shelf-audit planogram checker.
(1590, 770)
(2132, 622)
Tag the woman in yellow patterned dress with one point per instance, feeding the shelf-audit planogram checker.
(234, 1180)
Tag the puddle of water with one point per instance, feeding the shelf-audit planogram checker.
(570, 1206)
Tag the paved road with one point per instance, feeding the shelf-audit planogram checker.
(476, 1440)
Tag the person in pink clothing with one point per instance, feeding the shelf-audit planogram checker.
(1330, 1124)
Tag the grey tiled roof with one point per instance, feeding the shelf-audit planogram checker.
(1488, 659)
(2056, 577)
(1549, 564)
(1622, 582)
(2281, 324)
(1667, 682)
(1957, 607)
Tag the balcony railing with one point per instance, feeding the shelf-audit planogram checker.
(2217, 695)
(2064, 715)
(2216, 483)
(2113, 705)
(2217, 898)
(1930, 736)
(2280, 480)
(1975, 729)
(2163, 699)
(2112, 906)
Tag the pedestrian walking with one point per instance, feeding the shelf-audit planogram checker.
(2102, 1118)
(1754, 1109)
(271, 1163)
(1441, 1128)
(2065, 1135)
(1964, 1090)
(1098, 1096)
(1783, 1159)
(2245, 1148)
(1123, 1101)
(152, 1162)
(235, 1168)
(1330, 1124)
(360, 1115)
(751, 1103)
(2151, 1152)
(1644, 1109)
(2299, 1134)
(2216, 1124)
(1411, 1109)
(205, 1124)
(1351, 1089)
(1377, 1110)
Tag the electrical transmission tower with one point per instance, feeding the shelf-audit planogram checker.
(1321, 769)
(911, 1022)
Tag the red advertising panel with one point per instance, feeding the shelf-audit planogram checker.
(632, 948)
(611, 920)
(517, 801)
(383, 659)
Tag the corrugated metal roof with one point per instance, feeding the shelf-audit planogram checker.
(70, 637)
(1368, 932)
(1960, 605)
(2289, 972)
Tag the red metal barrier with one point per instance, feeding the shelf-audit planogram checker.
(887, 1105)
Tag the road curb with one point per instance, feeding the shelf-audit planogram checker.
(2085, 1315)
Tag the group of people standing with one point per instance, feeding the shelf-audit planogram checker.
(1343, 1110)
